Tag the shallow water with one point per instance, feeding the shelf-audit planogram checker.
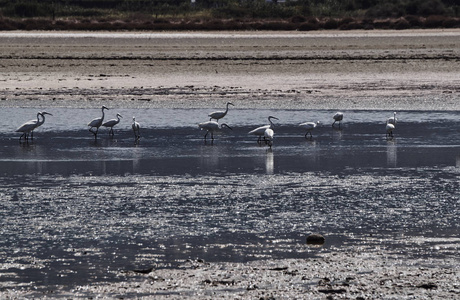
(75, 210)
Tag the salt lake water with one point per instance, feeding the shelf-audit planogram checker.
(74, 210)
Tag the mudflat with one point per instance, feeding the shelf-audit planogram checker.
(413, 69)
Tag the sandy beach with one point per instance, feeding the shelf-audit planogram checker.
(414, 70)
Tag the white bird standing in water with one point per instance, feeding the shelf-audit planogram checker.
(389, 129)
(136, 128)
(268, 136)
(309, 126)
(211, 127)
(28, 127)
(219, 114)
(96, 123)
(111, 123)
(392, 120)
(260, 131)
(338, 117)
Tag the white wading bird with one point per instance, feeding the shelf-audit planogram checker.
(392, 120)
(309, 126)
(338, 117)
(211, 127)
(219, 114)
(260, 131)
(111, 123)
(96, 123)
(136, 129)
(29, 126)
(268, 136)
(389, 128)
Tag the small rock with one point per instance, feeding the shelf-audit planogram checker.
(428, 286)
(315, 239)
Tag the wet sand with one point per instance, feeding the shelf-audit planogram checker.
(403, 70)
(409, 70)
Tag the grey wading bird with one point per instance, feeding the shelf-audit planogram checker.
(219, 114)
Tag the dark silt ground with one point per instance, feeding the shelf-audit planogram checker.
(173, 217)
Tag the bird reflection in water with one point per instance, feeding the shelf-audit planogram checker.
(269, 162)
(392, 155)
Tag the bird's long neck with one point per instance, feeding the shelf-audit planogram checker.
(394, 117)
(38, 117)
(42, 121)
(102, 118)
(271, 124)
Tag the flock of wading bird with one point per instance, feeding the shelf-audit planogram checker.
(265, 134)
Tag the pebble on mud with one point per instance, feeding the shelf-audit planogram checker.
(315, 239)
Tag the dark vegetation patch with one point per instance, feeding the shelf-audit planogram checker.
(302, 15)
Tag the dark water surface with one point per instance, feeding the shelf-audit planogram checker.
(75, 211)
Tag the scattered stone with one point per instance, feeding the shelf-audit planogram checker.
(332, 291)
(143, 271)
(315, 239)
(428, 286)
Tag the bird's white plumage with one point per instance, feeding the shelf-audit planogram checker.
(113, 122)
(389, 129)
(209, 125)
(97, 122)
(268, 136)
(259, 130)
(28, 126)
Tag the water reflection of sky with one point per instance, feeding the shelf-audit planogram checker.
(112, 204)
(174, 144)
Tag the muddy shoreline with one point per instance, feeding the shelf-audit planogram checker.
(410, 70)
